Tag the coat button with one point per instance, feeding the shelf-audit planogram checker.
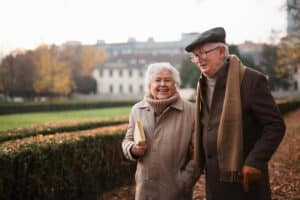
(209, 128)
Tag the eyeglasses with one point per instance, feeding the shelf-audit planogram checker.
(203, 54)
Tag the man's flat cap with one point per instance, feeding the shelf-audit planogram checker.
(212, 35)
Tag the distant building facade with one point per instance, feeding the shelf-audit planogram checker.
(148, 47)
(293, 17)
(122, 74)
(293, 33)
(252, 50)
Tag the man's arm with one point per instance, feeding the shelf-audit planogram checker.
(266, 112)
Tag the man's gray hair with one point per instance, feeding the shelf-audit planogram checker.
(155, 68)
(220, 44)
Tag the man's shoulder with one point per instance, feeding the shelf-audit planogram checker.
(253, 73)
(252, 78)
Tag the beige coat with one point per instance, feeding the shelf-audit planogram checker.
(165, 171)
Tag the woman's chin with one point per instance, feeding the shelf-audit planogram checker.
(163, 96)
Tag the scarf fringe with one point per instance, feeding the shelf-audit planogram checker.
(228, 176)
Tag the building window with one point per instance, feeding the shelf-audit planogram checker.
(133, 61)
(296, 85)
(130, 73)
(121, 88)
(111, 89)
(141, 74)
(130, 88)
(110, 72)
(142, 61)
(141, 88)
(120, 73)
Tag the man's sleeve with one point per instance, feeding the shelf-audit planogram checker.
(267, 113)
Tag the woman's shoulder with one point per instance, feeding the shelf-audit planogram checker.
(188, 104)
(140, 104)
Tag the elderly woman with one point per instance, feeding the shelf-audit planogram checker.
(165, 170)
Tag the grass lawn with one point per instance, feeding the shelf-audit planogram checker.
(26, 119)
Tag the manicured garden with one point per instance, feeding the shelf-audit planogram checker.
(10, 121)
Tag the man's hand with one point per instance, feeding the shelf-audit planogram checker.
(250, 174)
(139, 149)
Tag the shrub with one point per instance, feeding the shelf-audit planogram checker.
(46, 129)
(77, 165)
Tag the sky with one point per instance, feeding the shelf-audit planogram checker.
(25, 24)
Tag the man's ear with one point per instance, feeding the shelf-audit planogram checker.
(222, 49)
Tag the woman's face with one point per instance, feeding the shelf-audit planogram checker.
(162, 85)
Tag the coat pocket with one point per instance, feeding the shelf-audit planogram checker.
(186, 178)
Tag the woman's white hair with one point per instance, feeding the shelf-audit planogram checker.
(155, 68)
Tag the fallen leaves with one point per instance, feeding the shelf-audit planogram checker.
(284, 169)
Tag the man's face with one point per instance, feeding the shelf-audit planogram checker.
(208, 58)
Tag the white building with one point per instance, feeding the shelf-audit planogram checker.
(293, 17)
(148, 47)
(122, 76)
(293, 30)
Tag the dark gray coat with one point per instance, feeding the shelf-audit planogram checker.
(263, 130)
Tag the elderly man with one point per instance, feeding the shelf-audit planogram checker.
(238, 125)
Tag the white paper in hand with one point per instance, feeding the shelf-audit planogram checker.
(139, 135)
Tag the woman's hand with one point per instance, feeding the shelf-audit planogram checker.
(139, 149)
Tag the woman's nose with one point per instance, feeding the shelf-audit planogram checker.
(162, 82)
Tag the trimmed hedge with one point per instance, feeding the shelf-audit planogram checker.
(11, 108)
(288, 105)
(73, 165)
(58, 128)
(67, 166)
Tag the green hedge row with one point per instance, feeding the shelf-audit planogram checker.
(11, 108)
(68, 166)
(73, 165)
(288, 105)
(58, 128)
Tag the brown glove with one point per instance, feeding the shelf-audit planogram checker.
(250, 174)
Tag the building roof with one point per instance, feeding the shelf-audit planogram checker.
(139, 60)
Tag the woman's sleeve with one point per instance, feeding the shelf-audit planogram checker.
(128, 142)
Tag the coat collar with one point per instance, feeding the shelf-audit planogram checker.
(178, 105)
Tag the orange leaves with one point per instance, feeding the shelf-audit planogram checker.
(90, 56)
(52, 74)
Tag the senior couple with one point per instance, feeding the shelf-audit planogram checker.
(229, 135)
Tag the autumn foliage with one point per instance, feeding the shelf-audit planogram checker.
(48, 70)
